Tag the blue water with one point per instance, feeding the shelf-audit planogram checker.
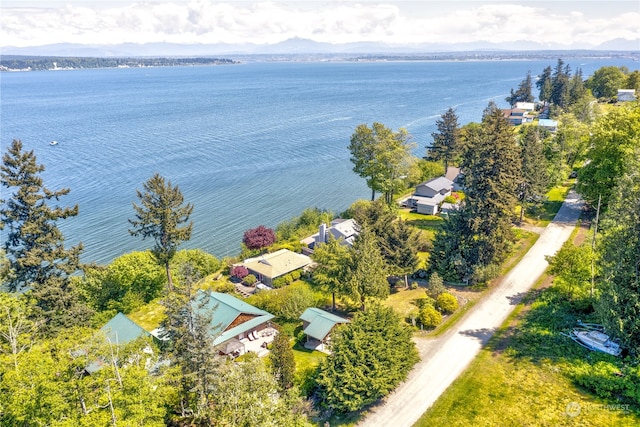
(248, 144)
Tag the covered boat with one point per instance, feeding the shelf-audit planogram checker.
(595, 340)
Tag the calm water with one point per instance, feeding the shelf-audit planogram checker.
(248, 144)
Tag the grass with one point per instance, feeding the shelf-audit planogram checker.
(306, 359)
(421, 221)
(402, 301)
(542, 216)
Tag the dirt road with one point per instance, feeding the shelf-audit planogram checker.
(446, 357)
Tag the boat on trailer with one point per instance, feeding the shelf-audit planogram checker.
(593, 337)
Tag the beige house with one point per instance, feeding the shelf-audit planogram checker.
(271, 266)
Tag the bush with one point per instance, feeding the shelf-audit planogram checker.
(250, 280)
(435, 286)
(295, 275)
(424, 302)
(429, 317)
(239, 271)
(414, 285)
(482, 274)
(278, 282)
(450, 199)
(447, 302)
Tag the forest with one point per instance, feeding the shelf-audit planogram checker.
(59, 368)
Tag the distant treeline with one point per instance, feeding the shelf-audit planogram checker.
(22, 63)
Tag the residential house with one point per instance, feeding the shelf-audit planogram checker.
(430, 194)
(237, 327)
(344, 230)
(626, 95)
(517, 116)
(526, 106)
(548, 124)
(271, 266)
(317, 325)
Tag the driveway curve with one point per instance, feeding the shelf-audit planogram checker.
(447, 356)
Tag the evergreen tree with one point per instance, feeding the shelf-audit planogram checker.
(446, 141)
(160, 216)
(545, 85)
(332, 270)
(367, 277)
(399, 246)
(34, 243)
(619, 258)
(560, 84)
(533, 183)
(188, 329)
(370, 357)
(523, 93)
(577, 89)
(283, 364)
(480, 234)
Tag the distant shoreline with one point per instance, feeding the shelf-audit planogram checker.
(15, 63)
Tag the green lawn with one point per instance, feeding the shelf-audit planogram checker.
(543, 215)
(306, 359)
(149, 315)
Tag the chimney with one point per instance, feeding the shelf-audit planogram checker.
(322, 234)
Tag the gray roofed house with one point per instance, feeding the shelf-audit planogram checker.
(270, 266)
(345, 230)
(428, 195)
(317, 325)
(238, 327)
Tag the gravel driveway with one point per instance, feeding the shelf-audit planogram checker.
(446, 357)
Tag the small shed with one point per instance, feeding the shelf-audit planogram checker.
(626, 95)
(318, 324)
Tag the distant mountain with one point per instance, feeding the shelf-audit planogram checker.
(299, 46)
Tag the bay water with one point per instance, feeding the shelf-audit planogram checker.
(248, 144)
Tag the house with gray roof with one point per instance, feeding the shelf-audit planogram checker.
(429, 195)
(271, 266)
(318, 324)
(344, 230)
(237, 327)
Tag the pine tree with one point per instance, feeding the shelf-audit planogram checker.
(399, 246)
(283, 364)
(446, 141)
(533, 183)
(619, 258)
(34, 244)
(523, 93)
(367, 277)
(370, 357)
(560, 84)
(545, 85)
(160, 216)
(331, 272)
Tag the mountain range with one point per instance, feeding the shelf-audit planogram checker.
(300, 46)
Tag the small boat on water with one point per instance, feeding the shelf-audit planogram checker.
(592, 336)
(53, 143)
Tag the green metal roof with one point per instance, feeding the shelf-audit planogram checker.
(121, 330)
(320, 322)
(224, 310)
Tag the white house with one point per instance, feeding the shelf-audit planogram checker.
(625, 95)
(344, 230)
(527, 106)
(430, 194)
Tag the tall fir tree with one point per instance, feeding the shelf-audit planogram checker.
(161, 215)
(560, 84)
(34, 244)
(533, 183)
(367, 277)
(545, 85)
(446, 142)
(523, 93)
(399, 247)
(283, 364)
(619, 258)
(480, 234)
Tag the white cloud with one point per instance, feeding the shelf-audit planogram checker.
(207, 21)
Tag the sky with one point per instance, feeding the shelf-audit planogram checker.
(556, 24)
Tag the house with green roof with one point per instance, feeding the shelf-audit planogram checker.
(318, 324)
(237, 327)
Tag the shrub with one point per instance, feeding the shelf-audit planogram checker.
(278, 282)
(239, 271)
(450, 199)
(435, 286)
(414, 285)
(482, 274)
(288, 279)
(259, 237)
(295, 275)
(447, 302)
(429, 317)
(250, 280)
(424, 302)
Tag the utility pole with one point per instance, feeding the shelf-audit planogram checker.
(593, 246)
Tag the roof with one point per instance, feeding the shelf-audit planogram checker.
(438, 184)
(343, 228)
(548, 123)
(224, 310)
(121, 330)
(320, 322)
(430, 201)
(277, 263)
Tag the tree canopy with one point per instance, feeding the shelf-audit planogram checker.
(161, 215)
(446, 142)
(259, 237)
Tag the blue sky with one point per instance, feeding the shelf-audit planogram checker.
(556, 24)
